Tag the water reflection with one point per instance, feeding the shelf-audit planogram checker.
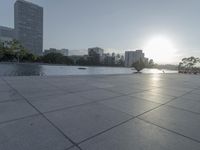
(27, 70)
(41, 70)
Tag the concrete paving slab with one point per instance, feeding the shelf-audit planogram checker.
(191, 96)
(125, 89)
(74, 148)
(196, 92)
(99, 94)
(33, 133)
(106, 122)
(78, 88)
(29, 93)
(80, 123)
(154, 97)
(55, 102)
(4, 87)
(139, 135)
(102, 85)
(187, 104)
(130, 105)
(15, 109)
(71, 85)
(9, 95)
(168, 92)
(180, 121)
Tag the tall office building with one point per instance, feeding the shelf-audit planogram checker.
(29, 25)
(133, 56)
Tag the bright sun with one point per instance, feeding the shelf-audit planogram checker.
(161, 50)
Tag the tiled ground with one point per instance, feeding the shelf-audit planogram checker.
(105, 112)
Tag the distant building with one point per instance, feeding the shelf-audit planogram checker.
(96, 55)
(119, 59)
(78, 52)
(108, 59)
(95, 50)
(133, 56)
(29, 25)
(64, 52)
(146, 61)
(113, 59)
(76, 58)
(6, 34)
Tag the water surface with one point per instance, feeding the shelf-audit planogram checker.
(50, 70)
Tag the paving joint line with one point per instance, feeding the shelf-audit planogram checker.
(87, 103)
(69, 92)
(137, 116)
(172, 131)
(77, 144)
(11, 100)
(183, 109)
(21, 118)
(198, 113)
(58, 129)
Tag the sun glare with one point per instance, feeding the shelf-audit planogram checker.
(161, 50)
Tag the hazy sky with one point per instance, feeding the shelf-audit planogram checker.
(118, 24)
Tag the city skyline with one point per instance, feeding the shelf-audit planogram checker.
(121, 26)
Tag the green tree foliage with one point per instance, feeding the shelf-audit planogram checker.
(1, 50)
(151, 63)
(189, 64)
(1, 45)
(56, 58)
(83, 62)
(139, 65)
(13, 50)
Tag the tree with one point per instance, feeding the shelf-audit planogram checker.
(20, 52)
(1, 50)
(30, 57)
(151, 63)
(81, 61)
(1, 45)
(13, 50)
(188, 64)
(55, 58)
(139, 65)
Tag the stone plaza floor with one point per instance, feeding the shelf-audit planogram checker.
(100, 112)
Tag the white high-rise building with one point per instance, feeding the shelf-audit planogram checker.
(133, 56)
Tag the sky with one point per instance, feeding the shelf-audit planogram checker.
(167, 30)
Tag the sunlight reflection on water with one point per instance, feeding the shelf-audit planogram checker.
(48, 70)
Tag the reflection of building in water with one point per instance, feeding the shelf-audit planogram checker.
(134, 56)
(27, 70)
